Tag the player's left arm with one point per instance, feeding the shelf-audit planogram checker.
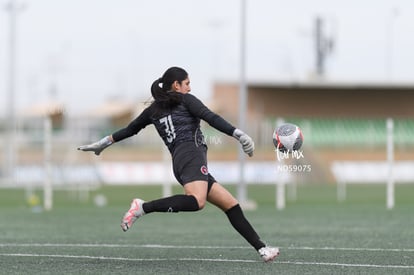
(132, 129)
(134, 126)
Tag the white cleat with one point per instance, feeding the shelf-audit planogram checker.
(268, 253)
(134, 212)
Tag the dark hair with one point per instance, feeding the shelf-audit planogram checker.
(161, 88)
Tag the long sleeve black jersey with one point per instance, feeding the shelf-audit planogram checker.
(178, 125)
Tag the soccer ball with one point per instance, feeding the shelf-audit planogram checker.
(288, 137)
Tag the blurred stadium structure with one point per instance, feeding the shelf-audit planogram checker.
(340, 122)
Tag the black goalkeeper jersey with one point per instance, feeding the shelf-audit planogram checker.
(177, 125)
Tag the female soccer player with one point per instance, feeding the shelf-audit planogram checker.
(176, 115)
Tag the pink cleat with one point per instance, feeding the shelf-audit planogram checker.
(268, 253)
(134, 212)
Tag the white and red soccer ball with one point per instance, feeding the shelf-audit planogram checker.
(288, 137)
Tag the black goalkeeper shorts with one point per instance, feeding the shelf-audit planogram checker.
(190, 164)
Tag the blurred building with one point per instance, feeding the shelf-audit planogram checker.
(323, 99)
(340, 121)
(54, 110)
(115, 112)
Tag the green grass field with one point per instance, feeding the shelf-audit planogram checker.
(316, 235)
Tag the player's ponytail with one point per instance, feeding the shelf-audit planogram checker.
(156, 90)
(161, 88)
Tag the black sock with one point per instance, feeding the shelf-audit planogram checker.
(242, 225)
(175, 203)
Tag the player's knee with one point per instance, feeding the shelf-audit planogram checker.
(201, 204)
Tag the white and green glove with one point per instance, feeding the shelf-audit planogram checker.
(246, 141)
(98, 146)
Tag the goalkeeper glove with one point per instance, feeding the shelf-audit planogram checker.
(98, 146)
(246, 141)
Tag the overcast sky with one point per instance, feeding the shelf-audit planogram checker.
(93, 50)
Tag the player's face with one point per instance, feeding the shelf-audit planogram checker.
(183, 87)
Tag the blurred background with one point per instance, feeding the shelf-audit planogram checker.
(74, 71)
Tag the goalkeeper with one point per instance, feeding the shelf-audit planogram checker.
(176, 115)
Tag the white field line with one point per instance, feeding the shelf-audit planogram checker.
(201, 259)
(199, 247)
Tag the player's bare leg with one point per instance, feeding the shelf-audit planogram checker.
(198, 189)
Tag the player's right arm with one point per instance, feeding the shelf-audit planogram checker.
(198, 109)
(132, 129)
